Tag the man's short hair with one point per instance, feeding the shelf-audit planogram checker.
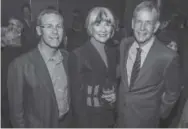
(149, 5)
(98, 14)
(26, 6)
(47, 11)
(18, 21)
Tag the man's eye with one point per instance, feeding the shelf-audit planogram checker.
(108, 24)
(49, 26)
(138, 21)
(59, 27)
(150, 23)
(97, 24)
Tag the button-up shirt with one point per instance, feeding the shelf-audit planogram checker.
(59, 79)
(132, 56)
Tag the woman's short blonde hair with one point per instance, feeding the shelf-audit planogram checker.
(98, 14)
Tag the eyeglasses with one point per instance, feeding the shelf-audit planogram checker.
(51, 27)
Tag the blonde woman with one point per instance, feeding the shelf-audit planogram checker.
(93, 73)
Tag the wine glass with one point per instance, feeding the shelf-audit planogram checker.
(108, 89)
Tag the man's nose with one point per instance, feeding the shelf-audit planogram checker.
(55, 30)
(142, 26)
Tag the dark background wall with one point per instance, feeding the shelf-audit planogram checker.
(12, 7)
(67, 7)
(122, 8)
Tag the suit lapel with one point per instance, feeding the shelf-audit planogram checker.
(110, 58)
(125, 53)
(42, 72)
(65, 65)
(95, 57)
(65, 60)
(149, 61)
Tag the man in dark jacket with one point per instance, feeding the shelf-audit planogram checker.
(38, 81)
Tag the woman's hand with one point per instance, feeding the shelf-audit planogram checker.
(109, 95)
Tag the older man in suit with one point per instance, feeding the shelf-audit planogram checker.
(149, 73)
(38, 80)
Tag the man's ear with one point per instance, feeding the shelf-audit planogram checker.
(157, 24)
(38, 29)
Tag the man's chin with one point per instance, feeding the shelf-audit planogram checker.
(54, 46)
(140, 40)
(102, 41)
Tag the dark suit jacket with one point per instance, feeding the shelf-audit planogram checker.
(8, 54)
(86, 67)
(31, 95)
(145, 104)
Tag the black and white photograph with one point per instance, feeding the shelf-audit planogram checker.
(94, 64)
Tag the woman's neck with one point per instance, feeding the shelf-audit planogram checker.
(97, 44)
(100, 48)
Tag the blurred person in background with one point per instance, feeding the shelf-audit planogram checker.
(172, 33)
(118, 33)
(182, 50)
(29, 36)
(76, 35)
(11, 35)
(12, 48)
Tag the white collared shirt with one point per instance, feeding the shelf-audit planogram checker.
(59, 79)
(132, 56)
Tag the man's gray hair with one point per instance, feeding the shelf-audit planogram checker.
(149, 5)
(47, 11)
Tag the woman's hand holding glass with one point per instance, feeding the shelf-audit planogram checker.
(109, 95)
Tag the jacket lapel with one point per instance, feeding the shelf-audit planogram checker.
(65, 65)
(125, 53)
(149, 61)
(42, 72)
(65, 60)
(94, 57)
(110, 58)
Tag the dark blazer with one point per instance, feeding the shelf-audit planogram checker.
(8, 54)
(31, 95)
(145, 104)
(86, 67)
